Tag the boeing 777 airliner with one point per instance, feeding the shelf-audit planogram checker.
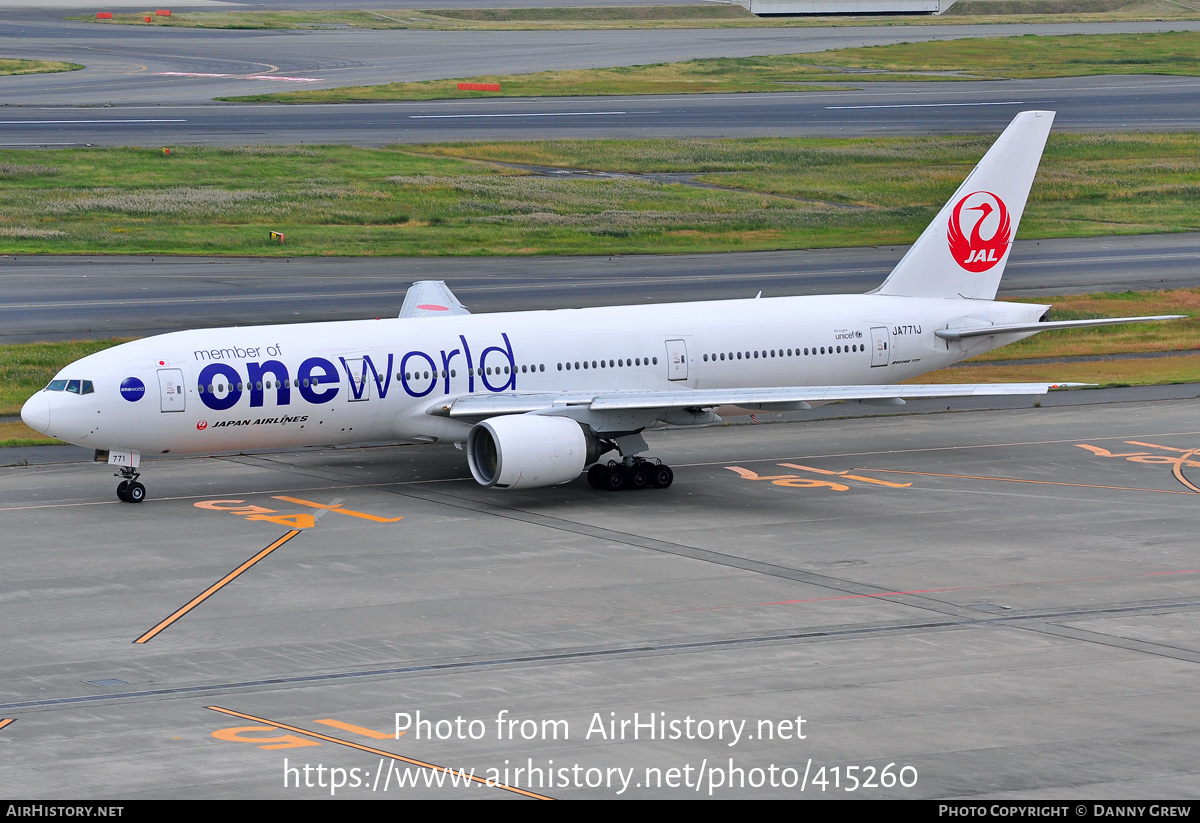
(538, 396)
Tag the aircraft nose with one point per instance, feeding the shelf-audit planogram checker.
(36, 412)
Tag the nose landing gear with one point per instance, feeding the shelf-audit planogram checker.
(129, 490)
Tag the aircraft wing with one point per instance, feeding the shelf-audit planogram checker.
(430, 298)
(481, 406)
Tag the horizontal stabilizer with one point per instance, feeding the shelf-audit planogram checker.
(1022, 328)
(431, 298)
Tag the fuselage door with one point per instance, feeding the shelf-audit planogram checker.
(677, 363)
(170, 390)
(358, 385)
(881, 345)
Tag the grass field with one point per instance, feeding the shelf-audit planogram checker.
(456, 200)
(25, 368)
(1029, 56)
(10, 66)
(1131, 372)
(1141, 338)
(645, 17)
(1180, 336)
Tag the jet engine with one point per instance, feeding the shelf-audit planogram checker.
(524, 451)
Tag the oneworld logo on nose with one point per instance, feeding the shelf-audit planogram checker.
(133, 389)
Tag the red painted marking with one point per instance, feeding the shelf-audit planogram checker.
(104, 15)
(479, 87)
(431, 307)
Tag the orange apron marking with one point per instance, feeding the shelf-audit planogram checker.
(337, 507)
(241, 734)
(215, 587)
(377, 752)
(365, 732)
(1038, 482)
(846, 474)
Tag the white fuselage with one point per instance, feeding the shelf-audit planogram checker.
(260, 387)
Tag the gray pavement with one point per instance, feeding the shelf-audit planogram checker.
(1146, 103)
(55, 298)
(130, 65)
(988, 604)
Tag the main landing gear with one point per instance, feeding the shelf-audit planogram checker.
(633, 473)
(129, 490)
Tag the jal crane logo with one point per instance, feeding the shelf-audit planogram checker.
(977, 253)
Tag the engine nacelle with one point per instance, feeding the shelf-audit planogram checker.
(523, 451)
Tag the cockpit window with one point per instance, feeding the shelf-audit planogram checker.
(72, 386)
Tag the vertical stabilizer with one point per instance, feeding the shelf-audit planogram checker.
(963, 252)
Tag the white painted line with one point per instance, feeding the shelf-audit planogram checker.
(71, 122)
(933, 105)
(280, 77)
(239, 76)
(531, 114)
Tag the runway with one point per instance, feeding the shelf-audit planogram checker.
(126, 64)
(1083, 104)
(1001, 603)
(155, 86)
(55, 298)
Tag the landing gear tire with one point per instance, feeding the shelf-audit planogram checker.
(661, 476)
(595, 476)
(638, 477)
(129, 490)
(642, 474)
